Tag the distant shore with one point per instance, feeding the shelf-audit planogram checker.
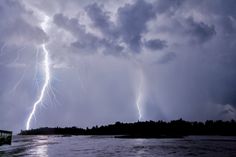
(148, 129)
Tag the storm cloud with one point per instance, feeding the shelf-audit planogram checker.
(184, 50)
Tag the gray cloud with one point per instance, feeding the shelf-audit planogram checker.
(101, 20)
(168, 6)
(15, 29)
(124, 31)
(132, 20)
(155, 44)
(166, 58)
(71, 25)
(86, 42)
(200, 32)
(75, 28)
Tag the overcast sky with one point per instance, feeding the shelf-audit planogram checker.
(177, 56)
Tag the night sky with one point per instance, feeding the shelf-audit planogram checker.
(176, 57)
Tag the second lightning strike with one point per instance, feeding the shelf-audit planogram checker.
(140, 95)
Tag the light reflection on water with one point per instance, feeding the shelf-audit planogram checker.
(41, 148)
(47, 146)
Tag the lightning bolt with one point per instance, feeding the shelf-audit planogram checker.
(46, 67)
(140, 95)
(45, 85)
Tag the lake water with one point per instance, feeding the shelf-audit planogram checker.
(105, 146)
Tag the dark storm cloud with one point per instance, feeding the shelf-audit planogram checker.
(86, 42)
(101, 20)
(74, 27)
(200, 32)
(155, 44)
(130, 25)
(132, 22)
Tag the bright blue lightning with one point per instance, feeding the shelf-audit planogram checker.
(47, 80)
(46, 67)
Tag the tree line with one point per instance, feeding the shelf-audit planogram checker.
(146, 129)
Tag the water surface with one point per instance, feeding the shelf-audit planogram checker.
(105, 146)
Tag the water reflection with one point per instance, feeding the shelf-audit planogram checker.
(140, 149)
(86, 146)
(38, 147)
(41, 150)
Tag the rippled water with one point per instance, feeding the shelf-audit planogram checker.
(47, 146)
